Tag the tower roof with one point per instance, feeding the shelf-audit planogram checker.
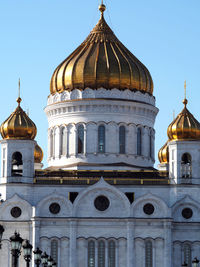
(163, 153)
(184, 126)
(18, 125)
(101, 61)
(38, 154)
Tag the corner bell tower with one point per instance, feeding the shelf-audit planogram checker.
(17, 147)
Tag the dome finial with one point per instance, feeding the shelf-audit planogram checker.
(102, 8)
(185, 100)
(19, 98)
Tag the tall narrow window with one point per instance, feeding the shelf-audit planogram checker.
(187, 254)
(17, 164)
(4, 163)
(139, 141)
(80, 139)
(54, 250)
(101, 139)
(148, 254)
(122, 140)
(51, 143)
(63, 141)
(101, 254)
(91, 254)
(186, 165)
(150, 145)
(111, 254)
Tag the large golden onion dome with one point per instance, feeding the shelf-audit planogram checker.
(38, 154)
(184, 126)
(18, 125)
(101, 61)
(163, 153)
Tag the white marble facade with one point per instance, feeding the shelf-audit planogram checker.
(123, 225)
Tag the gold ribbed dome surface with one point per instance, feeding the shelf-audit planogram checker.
(184, 126)
(18, 125)
(38, 154)
(101, 61)
(163, 153)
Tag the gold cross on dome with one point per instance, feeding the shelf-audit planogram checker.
(185, 88)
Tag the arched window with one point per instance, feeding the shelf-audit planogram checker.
(186, 165)
(122, 140)
(101, 254)
(150, 145)
(54, 250)
(17, 164)
(51, 143)
(187, 254)
(148, 254)
(139, 141)
(111, 253)
(63, 141)
(80, 139)
(91, 254)
(101, 139)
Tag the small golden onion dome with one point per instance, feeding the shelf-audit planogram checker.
(18, 125)
(184, 126)
(163, 154)
(101, 61)
(38, 154)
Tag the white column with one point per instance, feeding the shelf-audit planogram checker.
(75, 141)
(167, 245)
(117, 253)
(130, 238)
(154, 253)
(85, 140)
(96, 253)
(106, 253)
(59, 253)
(73, 252)
(67, 131)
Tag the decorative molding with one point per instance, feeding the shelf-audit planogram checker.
(88, 93)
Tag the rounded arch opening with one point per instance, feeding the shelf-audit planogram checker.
(17, 164)
(186, 165)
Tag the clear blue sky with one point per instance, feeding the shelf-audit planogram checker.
(36, 35)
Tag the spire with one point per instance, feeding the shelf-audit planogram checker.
(102, 8)
(185, 99)
(19, 98)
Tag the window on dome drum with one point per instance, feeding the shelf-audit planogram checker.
(63, 141)
(54, 250)
(91, 254)
(4, 163)
(17, 164)
(101, 139)
(186, 166)
(122, 139)
(187, 254)
(101, 253)
(80, 139)
(150, 145)
(148, 254)
(52, 139)
(139, 141)
(111, 253)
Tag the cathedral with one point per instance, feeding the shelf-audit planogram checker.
(100, 202)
